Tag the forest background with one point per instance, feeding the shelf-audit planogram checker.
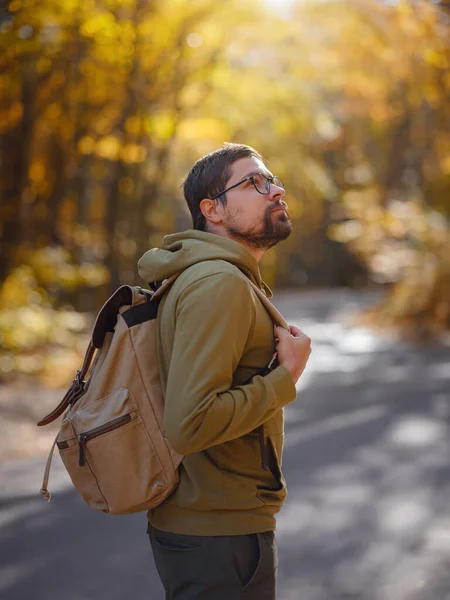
(106, 104)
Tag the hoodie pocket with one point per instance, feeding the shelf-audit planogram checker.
(276, 492)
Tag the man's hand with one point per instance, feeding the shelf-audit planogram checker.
(293, 348)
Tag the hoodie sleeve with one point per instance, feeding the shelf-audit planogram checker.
(214, 317)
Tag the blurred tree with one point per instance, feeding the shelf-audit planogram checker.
(391, 166)
(105, 105)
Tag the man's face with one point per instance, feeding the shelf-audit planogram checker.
(258, 220)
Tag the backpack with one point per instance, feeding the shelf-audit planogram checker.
(111, 438)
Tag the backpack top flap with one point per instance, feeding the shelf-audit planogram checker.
(123, 298)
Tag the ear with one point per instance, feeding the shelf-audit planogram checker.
(212, 211)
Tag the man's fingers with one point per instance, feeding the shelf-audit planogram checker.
(294, 331)
(298, 333)
(280, 330)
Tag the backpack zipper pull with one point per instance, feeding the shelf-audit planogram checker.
(82, 458)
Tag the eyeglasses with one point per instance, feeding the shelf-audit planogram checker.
(260, 182)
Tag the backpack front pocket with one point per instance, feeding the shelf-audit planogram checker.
(82, 478)
(100, 430)
(125, 464)
(111, 458)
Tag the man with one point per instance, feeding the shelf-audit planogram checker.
(213, 538)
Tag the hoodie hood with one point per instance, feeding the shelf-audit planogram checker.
(182, 250)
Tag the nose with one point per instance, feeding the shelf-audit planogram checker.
(276, 192)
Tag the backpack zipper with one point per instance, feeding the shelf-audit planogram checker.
(93, 433)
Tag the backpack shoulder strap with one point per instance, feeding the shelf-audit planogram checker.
(167, 283)
(275, 314)
(277, 317)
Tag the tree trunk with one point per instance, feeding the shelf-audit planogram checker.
(16, 151)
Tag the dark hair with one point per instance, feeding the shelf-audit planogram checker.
(209, 176)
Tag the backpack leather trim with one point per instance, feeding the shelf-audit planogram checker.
(107, 317)
(75, 390)
(141, 313)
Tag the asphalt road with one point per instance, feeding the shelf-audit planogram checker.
(367, 461)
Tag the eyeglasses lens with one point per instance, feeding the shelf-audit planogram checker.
(277, 181)
(262, 183)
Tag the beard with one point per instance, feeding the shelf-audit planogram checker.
(273, 229)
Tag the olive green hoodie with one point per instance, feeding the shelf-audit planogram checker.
(214, 337)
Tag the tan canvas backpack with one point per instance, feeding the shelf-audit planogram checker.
(111, 438)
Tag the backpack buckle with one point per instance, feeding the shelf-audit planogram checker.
(76, 388)
(78, 381)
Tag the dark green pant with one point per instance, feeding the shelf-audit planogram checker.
(231, 567)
